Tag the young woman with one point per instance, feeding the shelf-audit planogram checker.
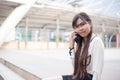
(88, 52)
(86, 49)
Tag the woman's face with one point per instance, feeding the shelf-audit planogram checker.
(83, 28)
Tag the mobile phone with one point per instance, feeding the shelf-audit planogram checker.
(77, 38)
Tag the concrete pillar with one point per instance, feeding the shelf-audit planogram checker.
(13, 19)
(118, 23)
(106, 41)
(57, 31)
(117, 38)
(103, 31)
(26, 32)
(110, 40)
(48, 37)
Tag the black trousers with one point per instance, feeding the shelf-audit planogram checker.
(69, 77)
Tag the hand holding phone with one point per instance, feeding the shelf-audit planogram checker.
(77, 39)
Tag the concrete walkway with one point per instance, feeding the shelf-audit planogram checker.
(49, 63)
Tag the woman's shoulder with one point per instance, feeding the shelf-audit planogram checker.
(97, 40)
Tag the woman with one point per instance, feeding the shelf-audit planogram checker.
(89, 50)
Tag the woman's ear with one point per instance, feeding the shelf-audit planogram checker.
(91, 25)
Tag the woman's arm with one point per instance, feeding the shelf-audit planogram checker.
(98, 59)
(71, 46)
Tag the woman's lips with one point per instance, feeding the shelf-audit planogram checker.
(82, 32)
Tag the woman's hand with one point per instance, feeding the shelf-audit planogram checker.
(72, 39)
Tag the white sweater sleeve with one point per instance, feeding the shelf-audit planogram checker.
(72, 52)
(98, 59)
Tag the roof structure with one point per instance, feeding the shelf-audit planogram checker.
(45, 13)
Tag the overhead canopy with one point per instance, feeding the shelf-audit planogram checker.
(44, 13)
(110, 8)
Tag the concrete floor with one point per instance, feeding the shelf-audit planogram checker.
(49, 63)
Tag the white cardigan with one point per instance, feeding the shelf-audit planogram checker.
(96, 50)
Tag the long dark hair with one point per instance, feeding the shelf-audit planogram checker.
(80, 62)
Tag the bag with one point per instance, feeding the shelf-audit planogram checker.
(69, 77)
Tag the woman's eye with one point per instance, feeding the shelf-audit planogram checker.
(82, 24)
(77, 26)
